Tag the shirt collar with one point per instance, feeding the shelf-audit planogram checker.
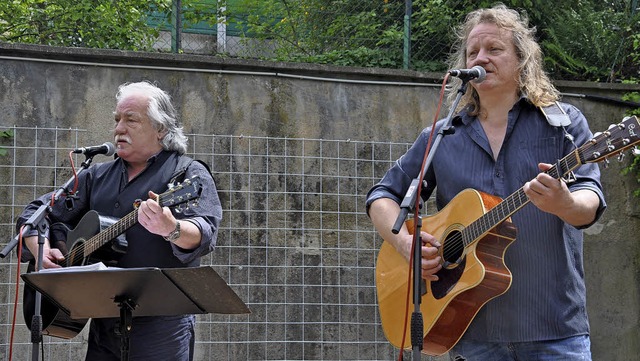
(464, 117)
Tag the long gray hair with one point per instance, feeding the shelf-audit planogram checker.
(160, 111)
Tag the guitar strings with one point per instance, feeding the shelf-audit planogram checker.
(89, 246)
(114, 230)
(501, 212)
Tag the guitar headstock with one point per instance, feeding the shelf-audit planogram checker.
(181, 193)
(614, 140)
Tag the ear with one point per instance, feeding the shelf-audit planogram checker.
(162, 134)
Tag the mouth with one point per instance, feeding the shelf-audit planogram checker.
(121, 141)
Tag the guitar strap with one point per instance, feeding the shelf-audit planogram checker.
(181, 169)
(556, 117)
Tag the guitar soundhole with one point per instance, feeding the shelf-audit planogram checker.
(76, 255)
(453, 249)
(453, 265)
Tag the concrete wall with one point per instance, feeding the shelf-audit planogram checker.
(43, 87)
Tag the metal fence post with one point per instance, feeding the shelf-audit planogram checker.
(407, 35)
(176, 22)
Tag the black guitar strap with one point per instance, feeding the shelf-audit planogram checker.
(181, 169)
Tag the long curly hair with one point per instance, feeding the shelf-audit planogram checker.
(533, 81)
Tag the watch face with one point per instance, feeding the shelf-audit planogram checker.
(175, 234)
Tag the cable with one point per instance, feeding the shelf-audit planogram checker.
(15, 301)
(417, 208)
(18, 270)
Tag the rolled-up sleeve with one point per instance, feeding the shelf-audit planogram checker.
(396, 181)
(206, 215)
(587, 176)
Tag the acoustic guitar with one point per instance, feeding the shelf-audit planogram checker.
(96, 235)
(475, 230)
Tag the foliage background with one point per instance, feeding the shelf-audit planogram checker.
(583, 39)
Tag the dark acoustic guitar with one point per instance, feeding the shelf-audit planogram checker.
(475, 230)
(95, 239)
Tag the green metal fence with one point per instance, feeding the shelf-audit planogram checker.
(596, 40)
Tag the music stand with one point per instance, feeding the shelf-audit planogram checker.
(125, 292)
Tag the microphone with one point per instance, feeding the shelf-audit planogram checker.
(477, 72)
(107, 149)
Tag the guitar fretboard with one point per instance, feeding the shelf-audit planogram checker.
(511, 204)
(114, 230)
(111, 232)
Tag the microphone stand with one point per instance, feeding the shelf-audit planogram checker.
(14, 242)
(38, 221)
(408, 205)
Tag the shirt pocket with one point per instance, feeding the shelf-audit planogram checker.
(530, 153)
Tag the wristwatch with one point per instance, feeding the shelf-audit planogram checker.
(175, 234)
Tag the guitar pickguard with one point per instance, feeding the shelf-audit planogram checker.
(454, 261)
(448, 277)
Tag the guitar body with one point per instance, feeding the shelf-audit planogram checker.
(91, 224)
(472, 276)
(56, 322)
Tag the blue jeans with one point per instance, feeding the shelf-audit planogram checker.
(575, 348)
(152, 339)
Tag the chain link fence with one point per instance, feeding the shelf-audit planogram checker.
(361, 33)
(395, 34)
(295, 244)
(409, 34)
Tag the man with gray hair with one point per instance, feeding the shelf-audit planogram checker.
(150, 149)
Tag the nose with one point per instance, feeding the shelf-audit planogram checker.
(481, 58)
(120, 128)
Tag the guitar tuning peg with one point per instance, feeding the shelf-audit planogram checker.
(605, 163)
(621, 156)
(612, 126)
(635, 151)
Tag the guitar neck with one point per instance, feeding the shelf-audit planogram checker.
(111, 232)
(511, 204)
(177, 195)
